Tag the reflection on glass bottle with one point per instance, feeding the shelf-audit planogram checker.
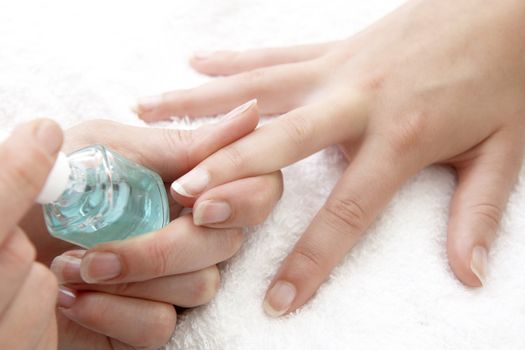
(107, 198)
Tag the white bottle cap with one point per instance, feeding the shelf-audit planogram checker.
(57, 179)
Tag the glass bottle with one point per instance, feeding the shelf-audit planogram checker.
(96, 195)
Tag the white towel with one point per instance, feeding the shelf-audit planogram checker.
(77, 60)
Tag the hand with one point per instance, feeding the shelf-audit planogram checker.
(435, 82)
(29, 290)
(121, 294)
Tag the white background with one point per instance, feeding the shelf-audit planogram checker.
(74, 60)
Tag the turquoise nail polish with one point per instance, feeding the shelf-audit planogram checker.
(105, 197)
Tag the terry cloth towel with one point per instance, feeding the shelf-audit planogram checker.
(76, 60)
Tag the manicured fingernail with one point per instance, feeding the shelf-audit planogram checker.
(202, 54)
(240, 110)
(146, 104)
(49, 136)
(98, 267)
(66, 297)
(279, 298)
(192, 184)
(66, 268)
(479, 262)
(211, 212)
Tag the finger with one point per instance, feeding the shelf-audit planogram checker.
(484, 185)
(277, 144)
(239, 203)
(72, 336)
(137, 322)
(278, 89)
(31, 310)
(49, 339)
(169, 152)
(179, 247)
(363, 191)
(234, 62)
(27, 157)
(17, 255)
(187, 290)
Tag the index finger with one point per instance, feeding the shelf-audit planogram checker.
(27, 157)
(179, 247)
(288, 139)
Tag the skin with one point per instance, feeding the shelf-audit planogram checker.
(434, 82)
(174, 266)
(29, 289)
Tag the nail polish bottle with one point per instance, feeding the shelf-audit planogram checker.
(96, 195)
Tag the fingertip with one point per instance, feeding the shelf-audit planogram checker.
(468, 261)
(279, 298)
(479, 262)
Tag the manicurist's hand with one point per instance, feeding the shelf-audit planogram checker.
(28, 289)
(435, 82)
(122, 294)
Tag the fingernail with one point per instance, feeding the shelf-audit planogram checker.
(146, 104)
(98, 267)
(192, 184)
(66, 297)
(49, 135)
(211, 212)
(479, 262)
(202, 54)
(240, 110)
(279, 298)
(66, 268)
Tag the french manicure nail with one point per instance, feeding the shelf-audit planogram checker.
(66, 297)
(240, 110)
(146, 104)
(479, 262)
(48, 135)
(193, 183)
(100, 266)
(66, 268)
(279, 298)
(202, 54)
(211, 212)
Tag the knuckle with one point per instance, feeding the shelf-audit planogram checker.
(490, 214)
(306, 261)
(121, 288)
(268, 191)
(409, 134)
(160, 255)
(205, 285)
(255, 78)
(180, 143)
(233, 156)
(298, 129)
(345, 215)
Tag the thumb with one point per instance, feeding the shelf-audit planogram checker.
(484, 185)
(27, 157)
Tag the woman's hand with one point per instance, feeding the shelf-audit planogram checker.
(29, 290)
(122, 294)
(435, 82)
